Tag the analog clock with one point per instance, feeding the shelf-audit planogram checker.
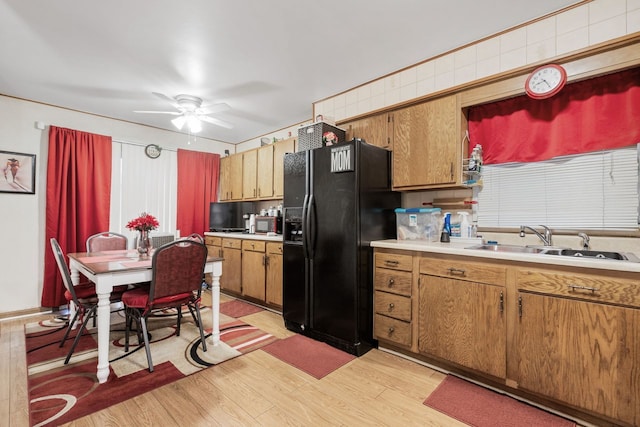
(152, 151)
(545, 81)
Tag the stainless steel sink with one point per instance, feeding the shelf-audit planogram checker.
(507, 248)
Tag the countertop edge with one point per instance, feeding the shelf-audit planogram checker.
(459, 249)
(246, 236)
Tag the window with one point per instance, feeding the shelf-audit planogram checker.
(594, 191)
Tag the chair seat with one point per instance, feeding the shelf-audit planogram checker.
(139, 298)
(86, 292)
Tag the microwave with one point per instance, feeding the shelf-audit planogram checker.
(268, 224)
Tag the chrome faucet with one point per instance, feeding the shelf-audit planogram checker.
(585, 241)
(546, 238)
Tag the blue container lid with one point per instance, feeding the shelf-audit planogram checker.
(417, 210)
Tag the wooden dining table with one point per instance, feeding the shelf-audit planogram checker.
(124, 267)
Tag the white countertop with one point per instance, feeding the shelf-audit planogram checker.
(246, 236)
(460, 250)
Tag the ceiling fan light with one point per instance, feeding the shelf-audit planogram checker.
(194, 124)
(179, 122)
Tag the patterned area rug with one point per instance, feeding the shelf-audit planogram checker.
(313, 357)
(59, 393)
(481, 407)
(237, 308)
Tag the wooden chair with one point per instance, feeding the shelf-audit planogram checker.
(83, 296)
(176, 281)
(107, 241)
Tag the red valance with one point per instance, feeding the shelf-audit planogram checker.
(590, 115)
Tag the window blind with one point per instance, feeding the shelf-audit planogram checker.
(594, 191)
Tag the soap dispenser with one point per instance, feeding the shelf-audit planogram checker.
(446, 229)
(465, 227)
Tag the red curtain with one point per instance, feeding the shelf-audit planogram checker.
(591, 115)
(78, 198)
(197, 188)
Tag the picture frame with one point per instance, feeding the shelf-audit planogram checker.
(17, 172)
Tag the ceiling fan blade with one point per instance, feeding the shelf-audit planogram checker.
(164, 97)
(214, 108)
(217, 122)
(173, 113)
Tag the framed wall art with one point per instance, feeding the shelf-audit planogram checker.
(17, 173)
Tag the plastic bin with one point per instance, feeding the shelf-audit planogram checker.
(418, 224)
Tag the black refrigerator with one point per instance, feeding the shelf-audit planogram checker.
(337, 200)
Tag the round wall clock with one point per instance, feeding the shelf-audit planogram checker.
(545, 81)
(152, 151)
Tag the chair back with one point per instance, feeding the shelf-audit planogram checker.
(196, 237)
(63, 268)
(106, 241)
(177, 268)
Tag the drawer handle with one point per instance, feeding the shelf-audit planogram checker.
(391, 306)
(391, 282)
(391, 262)
(457, 271)
(391, 330)
(583, 288)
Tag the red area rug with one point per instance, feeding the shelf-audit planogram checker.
(313, 357)
(238, 309)
(481, 407)
(59, 393)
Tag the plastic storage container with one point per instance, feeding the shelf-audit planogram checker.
(418, 224)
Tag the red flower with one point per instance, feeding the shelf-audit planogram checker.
(144, 222)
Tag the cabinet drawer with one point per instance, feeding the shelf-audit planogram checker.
(581, 286)
(212, 241)
(387, 328)
(232, 243)
(274, 248)
(253, 245)
(397, 282)
(463, 270)
(392, 305)
(394, 261)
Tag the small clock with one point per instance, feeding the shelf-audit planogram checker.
(152, 151)
(545, 81)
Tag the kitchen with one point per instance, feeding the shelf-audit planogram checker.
(337, 107)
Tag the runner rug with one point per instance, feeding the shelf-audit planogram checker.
(481, 407)
(313, 357)
(237, 308)
(59, 393)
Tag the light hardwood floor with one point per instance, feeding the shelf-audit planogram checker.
(255, 389)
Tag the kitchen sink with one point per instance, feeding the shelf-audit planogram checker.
(507, 248)
(558, 251)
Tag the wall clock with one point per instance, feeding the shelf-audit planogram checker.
(152, 151)
(545, 81)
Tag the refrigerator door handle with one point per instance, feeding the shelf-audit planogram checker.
(310, 235)
(305, 214)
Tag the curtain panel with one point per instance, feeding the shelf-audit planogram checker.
(198, 175)
(78, 194)
(591, 115)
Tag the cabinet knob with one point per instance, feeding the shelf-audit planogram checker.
(391, 306)
(391, 329)
(391, 282)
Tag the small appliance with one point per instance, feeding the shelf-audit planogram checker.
(268, 224)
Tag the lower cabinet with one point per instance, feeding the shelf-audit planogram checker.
(231, 265)
(274, 274)
(253, 269)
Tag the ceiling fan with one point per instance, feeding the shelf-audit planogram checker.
(191, 112)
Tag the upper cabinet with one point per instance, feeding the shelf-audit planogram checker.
(375, 130)
(250, 175)
(231, 178)
(427, 148)
(265, 172)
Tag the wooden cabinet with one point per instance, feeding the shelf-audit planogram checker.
(427, 148)
(462, 318)
(265, 172)
(273, 292)
(250, 174)
(279, 150)
(375, 130)
(231, 178)
(392, 298)
(214, 248)
(578, 341)
(231, 265)
(253, 269)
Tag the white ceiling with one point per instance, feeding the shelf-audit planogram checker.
(269, 60)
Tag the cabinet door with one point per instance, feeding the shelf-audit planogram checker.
(265, 172)
(279, 150)
(231, 270)
(225, 179)
(274, 274)
(253, 274)
(426, 147)
(249, 174)
(581, 353)
(374, 130)
(463, 322)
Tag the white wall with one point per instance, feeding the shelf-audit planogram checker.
(23, 215)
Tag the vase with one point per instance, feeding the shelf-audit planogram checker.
(144, 243)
